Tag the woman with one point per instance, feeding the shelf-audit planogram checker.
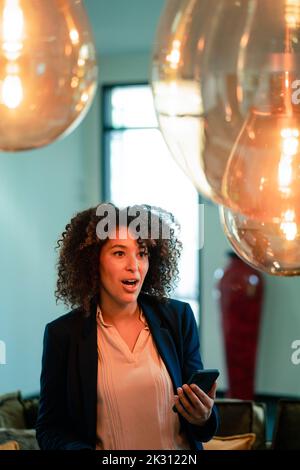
(113, 367)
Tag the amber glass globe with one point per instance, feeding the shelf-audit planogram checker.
(48, 72)
(270, 247)
(223, 75)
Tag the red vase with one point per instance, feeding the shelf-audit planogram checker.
(241, 295)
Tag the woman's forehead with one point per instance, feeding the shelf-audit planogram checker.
(123, 236)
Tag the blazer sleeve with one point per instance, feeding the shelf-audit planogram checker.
(191, 362)
(53, 427)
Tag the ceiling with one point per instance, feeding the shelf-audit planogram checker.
(121, 26)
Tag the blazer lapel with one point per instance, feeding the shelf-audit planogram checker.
(88, 366)
(164, 342)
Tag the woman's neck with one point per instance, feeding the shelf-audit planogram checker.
(113, 312)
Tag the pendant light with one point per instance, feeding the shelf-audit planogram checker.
(226, 87)
(224, 75)
(262, 177)
(273, 248)
(48, 71)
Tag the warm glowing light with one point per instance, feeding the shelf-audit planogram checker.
(174, 57)
(289, 148)
(48, 72)
(292, 13)
(288, 226)
(12, 29)
(74, 82)
(261, 179)
(12, 91)
(74, 36)
(289, 230)
(80, 62)
(84, 97)
(84, 52)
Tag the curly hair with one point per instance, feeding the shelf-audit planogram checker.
(80, 245)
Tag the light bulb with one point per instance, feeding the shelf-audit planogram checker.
(262, 177)
(262, 174)
(239, 59)
(48, 71)
(273, 248)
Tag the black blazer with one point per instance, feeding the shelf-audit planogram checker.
(67, 412)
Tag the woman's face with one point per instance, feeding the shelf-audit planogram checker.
(123, 265)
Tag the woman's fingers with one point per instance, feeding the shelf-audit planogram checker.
(194, 404)
(181, 409)
(188, 399)
(202, 395)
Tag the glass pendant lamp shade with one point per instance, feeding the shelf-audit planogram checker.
(262, 177)
(224, 76)
(194, 84)
(48, 72)
(273, 248)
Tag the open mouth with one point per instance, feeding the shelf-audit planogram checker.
(130, 282)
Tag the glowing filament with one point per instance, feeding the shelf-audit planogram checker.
(12, 29)
(12, 91)
(174, 57)
(288, 226)
(74, 36)
(292, 13)
(289, 148)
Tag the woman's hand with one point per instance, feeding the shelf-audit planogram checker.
(194, 404)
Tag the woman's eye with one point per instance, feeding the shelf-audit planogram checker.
(118, 253)
(143, 253)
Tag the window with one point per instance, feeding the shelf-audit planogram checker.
(138, 168)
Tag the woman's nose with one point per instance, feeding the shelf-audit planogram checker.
(132, 263)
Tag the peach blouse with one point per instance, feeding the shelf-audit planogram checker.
(134, 395)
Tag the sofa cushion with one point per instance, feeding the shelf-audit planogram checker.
(238, 442)
(12, 411)
(10, 445)
(242, 417)
(24, 437)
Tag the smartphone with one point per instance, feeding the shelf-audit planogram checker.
(204, 379)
